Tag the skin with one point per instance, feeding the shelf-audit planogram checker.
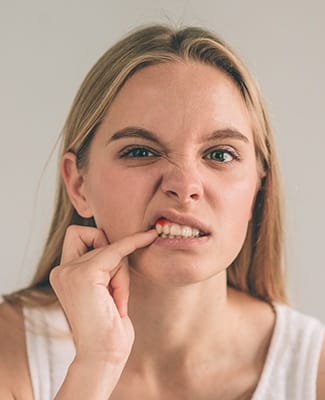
(193, 335)
(171, 96)
(179, 297)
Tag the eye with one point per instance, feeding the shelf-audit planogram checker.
(222, 155)
(137, 152)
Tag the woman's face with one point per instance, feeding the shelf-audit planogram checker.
(188, 153)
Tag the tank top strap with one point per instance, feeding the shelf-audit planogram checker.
(290, 370)
(50, 349)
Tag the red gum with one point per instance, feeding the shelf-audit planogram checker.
(162, 221)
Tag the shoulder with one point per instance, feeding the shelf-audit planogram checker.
(321, 374)
(11, 334)
(14, 374)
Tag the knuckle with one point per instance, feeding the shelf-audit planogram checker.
(119, 253)
(54, 271)
(72, 230)
(53, 276)
(117, 249)
(57, 272)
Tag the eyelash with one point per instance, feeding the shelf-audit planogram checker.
(126, 153)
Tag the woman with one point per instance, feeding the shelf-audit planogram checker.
(165, 249)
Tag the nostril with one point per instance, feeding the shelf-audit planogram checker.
(194, 196)
(183, 196)
(172, 193)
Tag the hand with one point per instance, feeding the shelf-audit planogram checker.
(93, 289)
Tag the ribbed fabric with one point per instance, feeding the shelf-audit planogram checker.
(50, 350)
(290, 370)
(289, 373)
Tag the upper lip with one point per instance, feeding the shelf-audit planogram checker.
(181, 219)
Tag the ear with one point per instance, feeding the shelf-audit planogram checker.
(75, 185)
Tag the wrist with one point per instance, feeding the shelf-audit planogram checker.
(100, 358)
(109, 366)
(90, 379)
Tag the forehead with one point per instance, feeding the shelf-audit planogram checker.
(186, 97)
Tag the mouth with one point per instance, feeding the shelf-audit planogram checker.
(184, 228)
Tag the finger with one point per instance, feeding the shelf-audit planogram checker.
(79, 239)
(119, 288)
(123, 247)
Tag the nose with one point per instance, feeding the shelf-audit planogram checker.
(182, 183)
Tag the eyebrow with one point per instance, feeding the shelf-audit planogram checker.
(137, 132)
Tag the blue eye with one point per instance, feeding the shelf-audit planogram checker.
(222, 156)
(137, 152)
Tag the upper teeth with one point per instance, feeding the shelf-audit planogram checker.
(172, 230)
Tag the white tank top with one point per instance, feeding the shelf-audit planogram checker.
(290, 370)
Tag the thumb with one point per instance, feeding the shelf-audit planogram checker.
(119, 286)
(129, 329)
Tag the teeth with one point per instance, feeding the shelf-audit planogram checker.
(174, 230)
(195, 232)
(186, 231)
(165, 229)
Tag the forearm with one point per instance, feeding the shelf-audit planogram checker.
(89, 381)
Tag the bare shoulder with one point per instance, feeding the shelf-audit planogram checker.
(321, 374)
(261, 315)
(14, 374)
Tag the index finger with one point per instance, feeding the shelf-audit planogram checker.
(123, 247)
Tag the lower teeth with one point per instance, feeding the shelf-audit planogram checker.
(164, 236)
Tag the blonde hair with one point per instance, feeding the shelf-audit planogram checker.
(258, 268)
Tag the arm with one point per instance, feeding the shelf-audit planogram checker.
(321, 375)
(93, 289)
(87, 380)
(14, 377)
(5, 393)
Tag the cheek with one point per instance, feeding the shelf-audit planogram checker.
(118, 201)
(236, 205)
(241, 200)
(241, 190)
(234, 213)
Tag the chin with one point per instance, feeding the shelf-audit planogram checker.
(174, 271)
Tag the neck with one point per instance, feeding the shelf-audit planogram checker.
(179, 326)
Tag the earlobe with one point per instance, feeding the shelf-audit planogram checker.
(75, 185)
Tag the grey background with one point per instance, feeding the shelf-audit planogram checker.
(48, 47)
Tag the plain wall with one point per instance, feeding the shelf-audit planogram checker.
(48, 47)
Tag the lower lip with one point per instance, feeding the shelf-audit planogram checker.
(181, 243)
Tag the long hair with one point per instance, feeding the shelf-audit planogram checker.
(259, 267)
